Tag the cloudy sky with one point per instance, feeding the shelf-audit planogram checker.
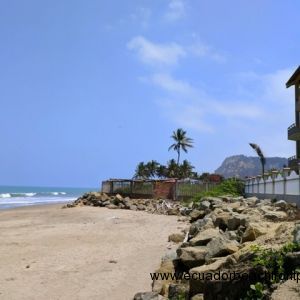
(90, 88)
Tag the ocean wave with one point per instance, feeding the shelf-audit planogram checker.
(5, 195)
(42, 194)
(58, 193)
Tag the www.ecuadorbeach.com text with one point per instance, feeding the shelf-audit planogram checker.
(225, 276)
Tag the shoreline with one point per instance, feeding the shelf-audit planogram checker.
(80, 253)
(39, 205)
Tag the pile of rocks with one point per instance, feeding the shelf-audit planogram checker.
(158, 206)
(220, 236)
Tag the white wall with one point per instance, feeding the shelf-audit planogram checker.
(286, 186)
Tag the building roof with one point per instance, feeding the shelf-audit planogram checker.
(294, 78)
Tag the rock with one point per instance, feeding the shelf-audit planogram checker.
(111, 206)
(196, 214)
(176, 237)
(222, 220)
(234, 222)
(220, 246)
(252, 199)
(141, 207)
(171, 255)
(132, 207)
(291, 261)
(197, 285)
(178, 291)
(275, 215)
(281, 204)
(148, 296)
(252, 232)
(231, 235)
(119, 197)
(173, 211)
(192, 256)
(121, 206)
(204, 204)
(224, 288)
(199, 225)
(296, 234)
(203, 237)
(167, 266)
(105, 203)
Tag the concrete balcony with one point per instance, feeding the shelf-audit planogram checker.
(294, 133)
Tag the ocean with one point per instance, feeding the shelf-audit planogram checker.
(15, 196)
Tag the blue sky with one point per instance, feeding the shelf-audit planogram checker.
(90, 88)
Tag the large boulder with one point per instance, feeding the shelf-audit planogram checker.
(196, 214)
(220, 246)
(204, 204)
(235, 221)
(252, 232)
(221, 220)
(192, 256)
(200, 225)
(281, 204)
(198, 275)
(275, 215)
(203, 237)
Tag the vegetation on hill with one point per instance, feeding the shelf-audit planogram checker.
(232, 187)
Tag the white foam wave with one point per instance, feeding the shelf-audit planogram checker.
(58, 193)
(7, 195)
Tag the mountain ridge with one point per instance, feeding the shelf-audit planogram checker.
(241, 165)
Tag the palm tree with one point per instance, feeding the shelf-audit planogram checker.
(152, 167)
(162, 171)
(186, 169)
(141, 171)
(172, 169)
(182, 142)
(260, 155)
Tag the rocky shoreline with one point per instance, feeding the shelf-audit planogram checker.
(221, 238)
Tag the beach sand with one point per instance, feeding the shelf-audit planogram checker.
(47, 252)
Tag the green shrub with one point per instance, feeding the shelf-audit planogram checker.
(232, 187)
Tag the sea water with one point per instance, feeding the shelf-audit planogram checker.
(14, 196)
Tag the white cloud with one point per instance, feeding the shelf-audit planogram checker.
(168, 83)
(194, 108)
(151, 53)
(176, 10)
(204, 50)
(170, 53)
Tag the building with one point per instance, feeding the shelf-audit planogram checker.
(294, 129)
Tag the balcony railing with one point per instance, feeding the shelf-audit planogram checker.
(294, 162)
(294, 132)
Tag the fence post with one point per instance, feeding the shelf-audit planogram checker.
(131, 188)
(285, 175)
(265, 177)
(111, 187)
(274, 175)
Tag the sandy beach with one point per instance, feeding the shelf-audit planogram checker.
(80, 253)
